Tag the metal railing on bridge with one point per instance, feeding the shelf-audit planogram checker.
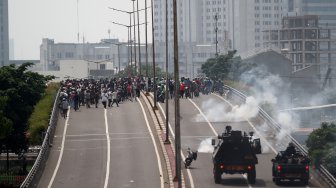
(324, 173)
(36, 171)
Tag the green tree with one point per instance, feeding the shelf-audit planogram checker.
(321, 145)
(224, 67)
(20, 90)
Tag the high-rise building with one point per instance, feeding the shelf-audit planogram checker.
(325, 9)
(4, 37)
(235, 24)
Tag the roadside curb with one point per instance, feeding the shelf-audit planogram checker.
(168, 149)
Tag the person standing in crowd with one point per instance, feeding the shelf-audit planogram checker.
(109, 97)
(96, 98)
(115, 98)
(104, 98)
(76, 101)
(87, 98)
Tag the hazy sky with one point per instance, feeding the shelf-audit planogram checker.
(30, 21)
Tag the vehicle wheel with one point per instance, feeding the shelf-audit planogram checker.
(251, 176)
(305, 182)
(217, 176)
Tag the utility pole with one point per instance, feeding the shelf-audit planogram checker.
(167, 80)
(146, 40)
(135, 59)
(177, 102)
(216, 30)
(139, 38)
(153, 48)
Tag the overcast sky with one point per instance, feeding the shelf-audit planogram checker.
(30, 21)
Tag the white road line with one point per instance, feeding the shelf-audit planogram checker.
(108, 151)
(62, 149)
(191, 180)
(154, 143)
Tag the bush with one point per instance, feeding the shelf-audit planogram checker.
(39, 120)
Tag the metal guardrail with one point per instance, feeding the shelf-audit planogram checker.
(329, 178)
(34, 174)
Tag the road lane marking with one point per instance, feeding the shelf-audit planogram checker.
(62, 150)
(154, 143)
(191, 180)
(108, 151)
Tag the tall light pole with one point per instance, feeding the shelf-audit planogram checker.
(146, 39)
(130, 28)
(153, 48)
(167, 80)
(129, 52)
(139, 37)
(177, 101)
(135, 56)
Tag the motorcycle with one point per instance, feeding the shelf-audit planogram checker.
(161, 96)
(192, 155)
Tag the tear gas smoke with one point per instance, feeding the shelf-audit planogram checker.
(265, 89)
(205, 146)
(217, 112)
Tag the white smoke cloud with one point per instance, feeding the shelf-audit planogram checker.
(266, 88)
(205, 146)
(217, 112)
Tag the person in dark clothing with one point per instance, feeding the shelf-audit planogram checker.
(290, 150)
(96, 98)
(76, 101)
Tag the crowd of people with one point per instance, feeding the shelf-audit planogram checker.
(77, 93)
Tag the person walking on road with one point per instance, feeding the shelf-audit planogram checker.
(65, 107)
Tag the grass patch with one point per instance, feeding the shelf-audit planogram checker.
(39, 120)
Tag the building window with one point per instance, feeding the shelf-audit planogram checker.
(102, 67)
(69, 55)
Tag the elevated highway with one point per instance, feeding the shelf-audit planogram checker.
(119, 147)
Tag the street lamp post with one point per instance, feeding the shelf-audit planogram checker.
(139, 37)
(167, 79)
(177, 102)
(146, 39)
(130, 29)
(153, 48)
(135, 53)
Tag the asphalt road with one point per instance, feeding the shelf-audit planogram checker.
(82, 157)
(196, 130)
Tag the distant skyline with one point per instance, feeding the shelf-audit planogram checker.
(30, 21)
